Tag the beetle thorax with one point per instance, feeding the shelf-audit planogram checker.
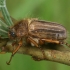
(20, 29)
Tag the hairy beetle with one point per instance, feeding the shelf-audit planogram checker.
(42, 31)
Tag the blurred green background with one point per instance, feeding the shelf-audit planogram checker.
(50, 10)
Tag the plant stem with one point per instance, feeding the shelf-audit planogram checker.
(5, 12)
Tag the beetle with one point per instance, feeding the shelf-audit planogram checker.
(42, 31)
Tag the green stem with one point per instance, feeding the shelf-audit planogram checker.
(5, 12)
(3, 23)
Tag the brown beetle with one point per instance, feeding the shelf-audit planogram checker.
(40, 30)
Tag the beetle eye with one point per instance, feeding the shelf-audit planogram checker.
(12, 34)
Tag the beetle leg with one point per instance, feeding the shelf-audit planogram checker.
(13, 53)
(66, 44)
(32, 41)
(36, 44)
(41, 42)
(51, 41)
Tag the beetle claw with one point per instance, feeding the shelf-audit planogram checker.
(7, 63)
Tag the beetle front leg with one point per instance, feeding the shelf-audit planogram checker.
(13, 53)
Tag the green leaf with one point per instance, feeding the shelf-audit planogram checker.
(5, 12)
(4, 26)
